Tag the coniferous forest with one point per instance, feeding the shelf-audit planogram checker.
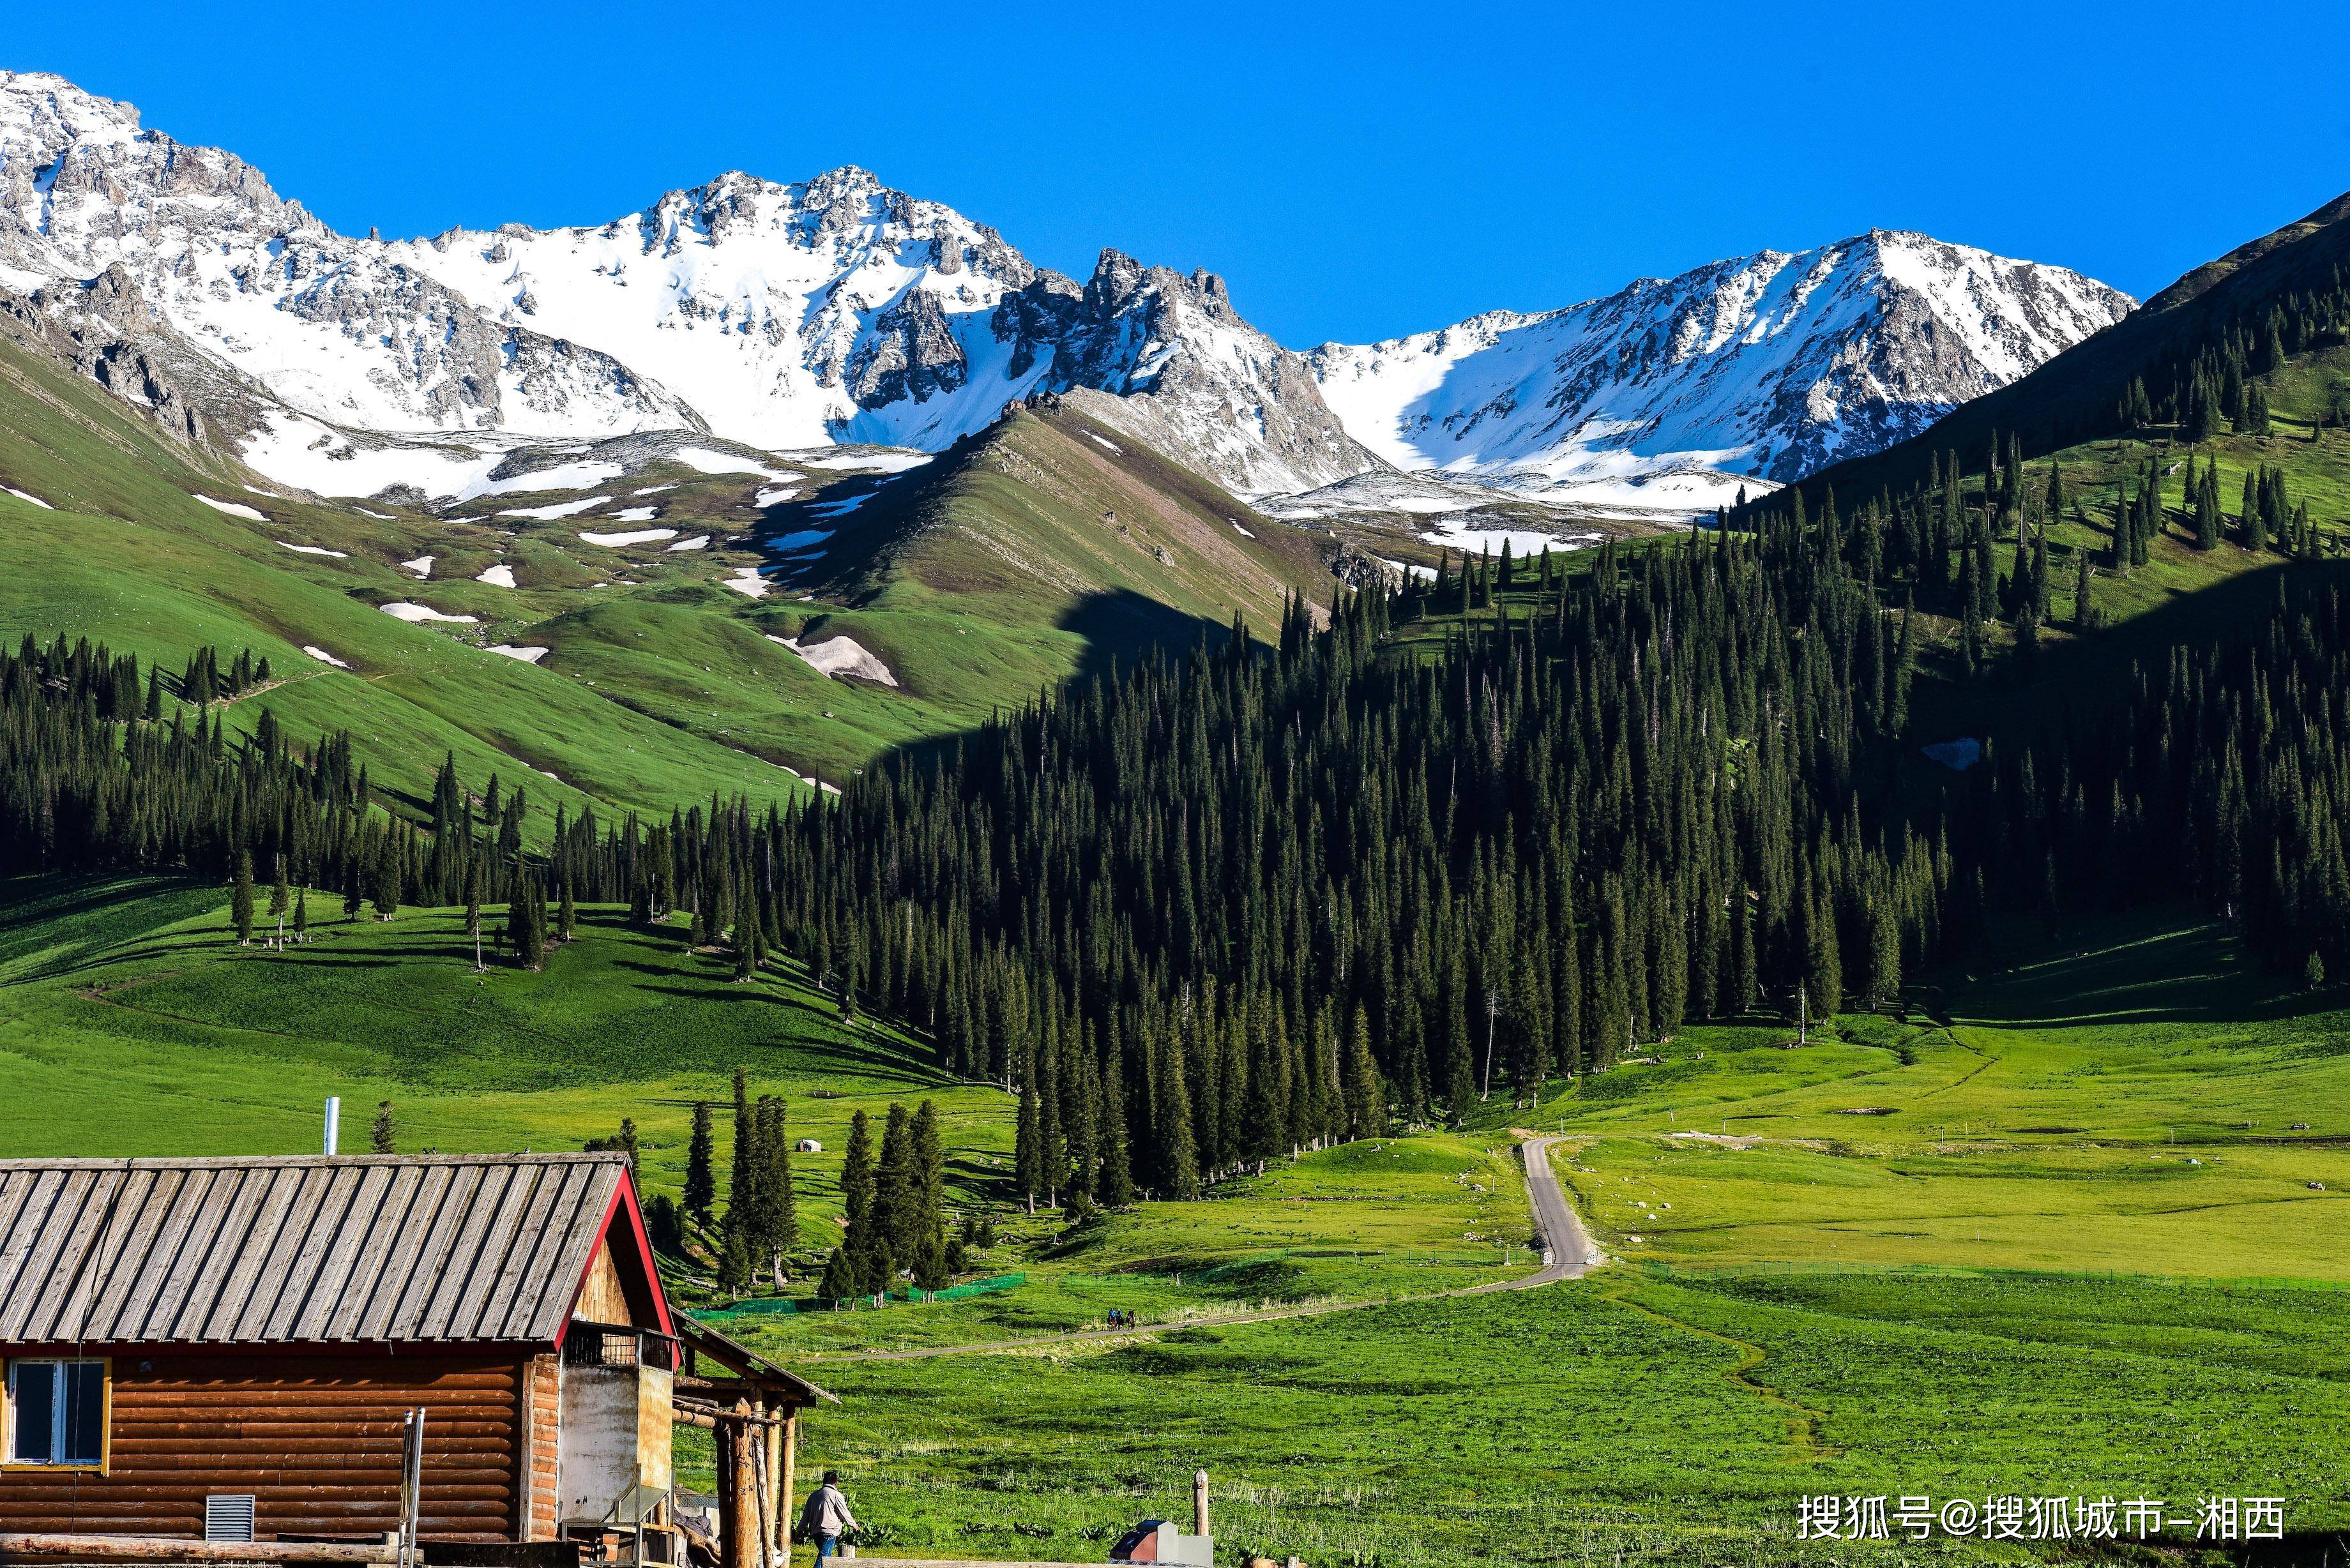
(1227, 905)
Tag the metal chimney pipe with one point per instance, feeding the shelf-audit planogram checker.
(334, 1116)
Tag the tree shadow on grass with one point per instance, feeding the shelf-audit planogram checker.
(2169, 967)
(902, 1064)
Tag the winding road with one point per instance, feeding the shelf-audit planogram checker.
(1567, 1254)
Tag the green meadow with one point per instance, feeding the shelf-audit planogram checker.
(2139, 1102)
(2051, 1232)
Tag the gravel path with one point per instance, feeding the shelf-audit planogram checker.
(1567, 1254)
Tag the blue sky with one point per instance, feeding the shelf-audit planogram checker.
(1356, 172)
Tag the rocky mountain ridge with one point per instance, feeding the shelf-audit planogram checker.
(839, 310)
(1763, 367)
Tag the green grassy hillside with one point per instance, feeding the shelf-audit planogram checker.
(1053, 545)
(1033, 554)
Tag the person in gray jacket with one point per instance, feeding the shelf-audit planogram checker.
(827, 1519)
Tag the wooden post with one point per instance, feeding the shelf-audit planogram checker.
(790, 1472)
(738, 1488)
(1199, 1502)
(762, 1492)
(745, 1535)
(723, 1464)
(779, 1485)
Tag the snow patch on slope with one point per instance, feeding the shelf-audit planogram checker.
(633, 536)
(237, 509)
(416, 612)
(839, 656)
(555, 509)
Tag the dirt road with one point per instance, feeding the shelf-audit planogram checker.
(1567, 1251)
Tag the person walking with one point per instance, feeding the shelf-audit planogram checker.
(826, 1517)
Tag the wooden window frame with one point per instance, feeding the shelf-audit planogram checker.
(105, 1461)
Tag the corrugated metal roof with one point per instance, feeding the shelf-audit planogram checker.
(458, 1249)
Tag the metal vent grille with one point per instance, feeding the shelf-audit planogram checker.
(228, 1517)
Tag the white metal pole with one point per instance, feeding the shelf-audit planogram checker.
(334, 1116)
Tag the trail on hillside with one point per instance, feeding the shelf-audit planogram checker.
(1567, 1254)
(1804, 1440)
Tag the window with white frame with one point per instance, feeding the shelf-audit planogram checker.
(57, 1412)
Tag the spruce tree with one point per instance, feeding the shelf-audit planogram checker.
(857, 1174)
(839, 1280)
(741, 1171)
(734, 1262)
(240, 901)
(473, 911)
(1117, 1184)
(778, 1228)
(383, 1133)
(1367, 1111)
(929, 1171)
(1028, 1145)
(701, 1178)
(387, 879)
(1459, 1066)
(1179, 1148)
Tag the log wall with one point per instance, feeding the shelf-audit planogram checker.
(316, 1441)
(540, 1459)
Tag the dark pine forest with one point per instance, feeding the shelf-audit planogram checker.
(1451, 849)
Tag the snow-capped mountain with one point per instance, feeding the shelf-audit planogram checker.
(839, 310)
(1672, 392)
(333, 327)
(777, 316)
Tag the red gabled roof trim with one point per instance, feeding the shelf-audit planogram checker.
(624, 1199)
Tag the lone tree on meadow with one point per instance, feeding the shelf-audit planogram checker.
(701, 1180)
(240, 901)
(387, 881)
(383, 1134)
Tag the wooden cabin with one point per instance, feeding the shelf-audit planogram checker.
(191, 1342)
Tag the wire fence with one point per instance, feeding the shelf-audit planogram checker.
(1700, 1273)
(794, 1306)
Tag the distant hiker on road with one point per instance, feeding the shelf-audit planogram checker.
(826, 1517)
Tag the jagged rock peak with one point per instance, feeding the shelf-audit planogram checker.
(1767, 366)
